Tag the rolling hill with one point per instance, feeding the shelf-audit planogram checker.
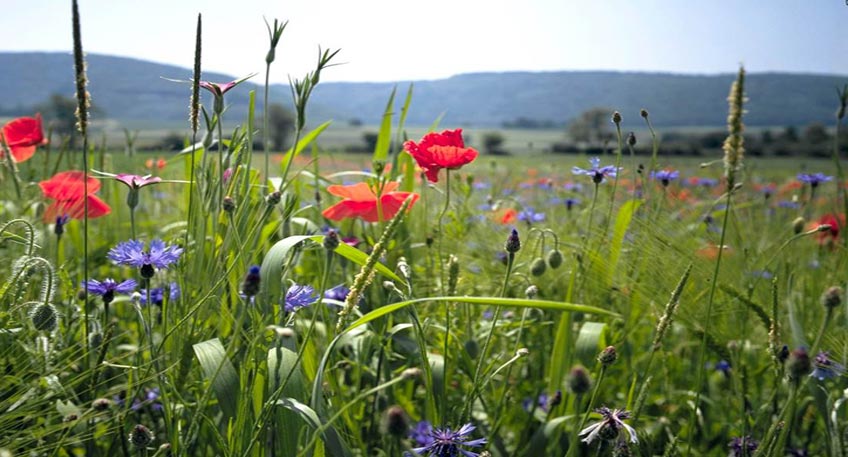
(131, 90)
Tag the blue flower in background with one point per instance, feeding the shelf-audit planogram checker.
(157, 294)
(299, 296)
(665, 177)
(338, 293)
(421, 434)
(814, 179)
(529, 215)
(106, 289)
(597, 172)
(825, 368)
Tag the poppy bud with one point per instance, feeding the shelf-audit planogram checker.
(141, 436)
(395, 422)
(644, 113)
(608, 356)
(538, 267)
(472, 348)
(101, 404)
(228, 205)
(555, 258)
(44, 317)
(616, 117)
(453, 273)
(513, 243)
(579, 382)
(798, 225)
(631, 139)
(832, 297)
(555, 400)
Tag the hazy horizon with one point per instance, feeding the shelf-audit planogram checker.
(382, 41)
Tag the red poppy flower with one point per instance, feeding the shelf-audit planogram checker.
(440, 150)
(359, 200)
(22, 136)
(68, 190)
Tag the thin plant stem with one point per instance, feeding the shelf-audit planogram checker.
(707, 319)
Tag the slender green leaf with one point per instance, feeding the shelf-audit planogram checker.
(622, 222)
(332, 440)
(305, 141)
(590, 341)
(384, 137)
(219, 371)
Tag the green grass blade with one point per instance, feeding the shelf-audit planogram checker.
(591, 339)
(332, 440)
(303, 143)
(622, 222)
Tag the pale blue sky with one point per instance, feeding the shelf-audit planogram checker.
(389, 40)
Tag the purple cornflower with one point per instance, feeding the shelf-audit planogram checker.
(814, 179)
(529, 215)
(107, 288)
(723, 366)
(571, 203)
(299, 296)
(448, 443)
(597, 172)
(422, 433)
(825, 368)
(157, 295)
(704, 182)
(665, 177)
(132, 253)
(742, 446)
(610, 425)
(788, 204)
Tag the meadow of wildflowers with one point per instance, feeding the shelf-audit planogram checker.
(433, 304)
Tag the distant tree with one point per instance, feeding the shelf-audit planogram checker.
(172, 141)
(370, 139)
(355, 122)
(790, 134)
(281, 124)
(816, 133)
(493, 143)
(591, 126)
(59, 114)
(766, 137)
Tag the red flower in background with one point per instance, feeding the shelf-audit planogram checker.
(836, 223)
(440, 150)
(359, 200)
(68, 190)
(22, 136)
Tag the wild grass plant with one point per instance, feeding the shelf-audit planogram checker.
(432, 304)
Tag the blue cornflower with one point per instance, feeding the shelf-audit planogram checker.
(542, 402)
(448, 443)
(723, 366)
(132, 253)
(814, 179)
(826, 368)
(422, 433)
(704, 182)
(597, 172)
(338, 293)
(151, 397)
(157, 294)
(665, 177)
(788, 204)
(107, 288)
(571, 203)
(250, 285)
(299, 296)
(529, 215)
(59, 228)
(764, 274)
(610, 425)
